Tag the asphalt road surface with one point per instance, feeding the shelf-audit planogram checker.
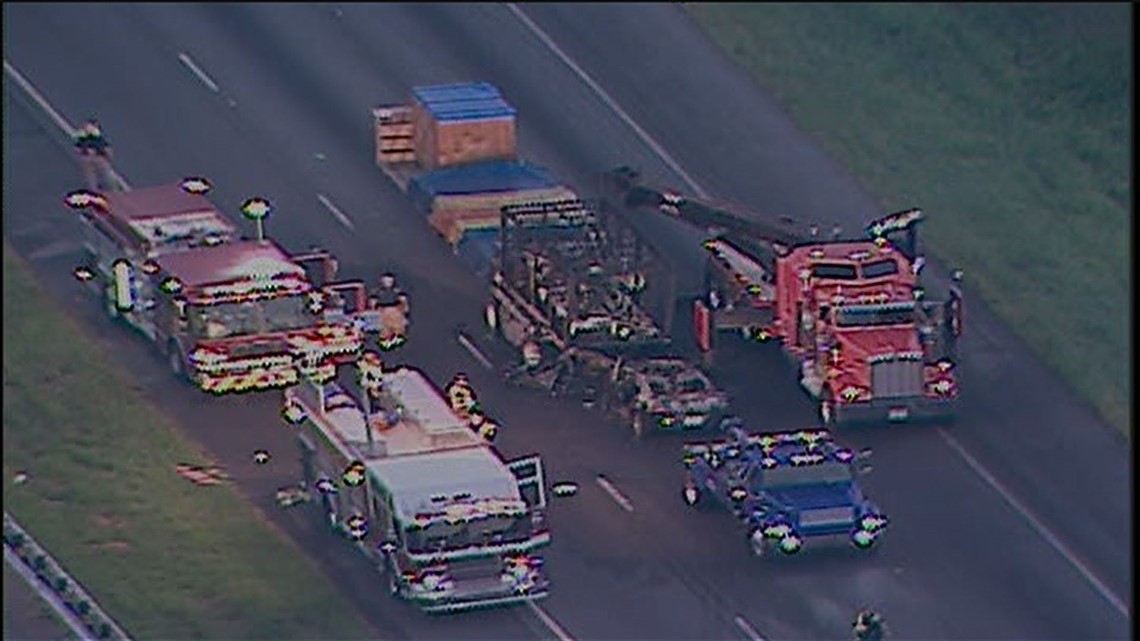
(1012, 524)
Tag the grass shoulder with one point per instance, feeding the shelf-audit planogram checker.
(163, 557)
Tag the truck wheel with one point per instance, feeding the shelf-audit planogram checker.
(759, 544)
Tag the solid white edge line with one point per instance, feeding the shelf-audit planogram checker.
(197, 71)
(59, 120)
(747, 628)
(474, 351)
(1050, 538)
(605, 97)
(344, 220)
(549, 622)
(66, 127)
(617, 496)
(72, 622)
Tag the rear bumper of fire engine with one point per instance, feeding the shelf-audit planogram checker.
(478, 593)
(896, 410)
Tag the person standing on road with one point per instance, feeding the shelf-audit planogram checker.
(869, 626)
(94, 152)
(461, 396)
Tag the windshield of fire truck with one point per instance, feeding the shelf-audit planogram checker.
(223, 320)
(874, 315)
(880, 268)
(818, 474)
(440, 535)
(834, 271)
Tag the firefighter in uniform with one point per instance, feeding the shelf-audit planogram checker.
(868, 626)
(483, 426)
(388, 294)
(461, 396)
(393, 305)
(634, 284)
(94, 156)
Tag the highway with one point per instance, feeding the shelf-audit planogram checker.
(1013, 524)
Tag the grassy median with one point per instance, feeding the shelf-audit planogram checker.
(1009, 123)
(166, 558)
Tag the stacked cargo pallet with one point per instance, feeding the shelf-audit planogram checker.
(471, 197)
(461, 124)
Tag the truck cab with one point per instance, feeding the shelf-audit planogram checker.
(789, 489)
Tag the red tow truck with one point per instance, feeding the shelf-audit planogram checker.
(228, 313)
(851, 313)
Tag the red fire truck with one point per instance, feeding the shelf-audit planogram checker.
(229, 314)
(851, 313)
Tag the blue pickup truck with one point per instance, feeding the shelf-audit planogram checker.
(787, 488)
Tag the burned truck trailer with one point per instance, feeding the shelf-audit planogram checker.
(589, 306)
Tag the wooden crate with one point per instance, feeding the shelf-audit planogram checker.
(394, 134)
(448, 144)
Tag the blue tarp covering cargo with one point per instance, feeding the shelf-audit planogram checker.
(463, 102)
(470, 110)
(457, 91)
(477, 250)
(485, 177)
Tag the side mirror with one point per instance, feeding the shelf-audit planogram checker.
(565, 489)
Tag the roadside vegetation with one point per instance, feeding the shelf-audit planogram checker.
(1008, 123)
(166, 558)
